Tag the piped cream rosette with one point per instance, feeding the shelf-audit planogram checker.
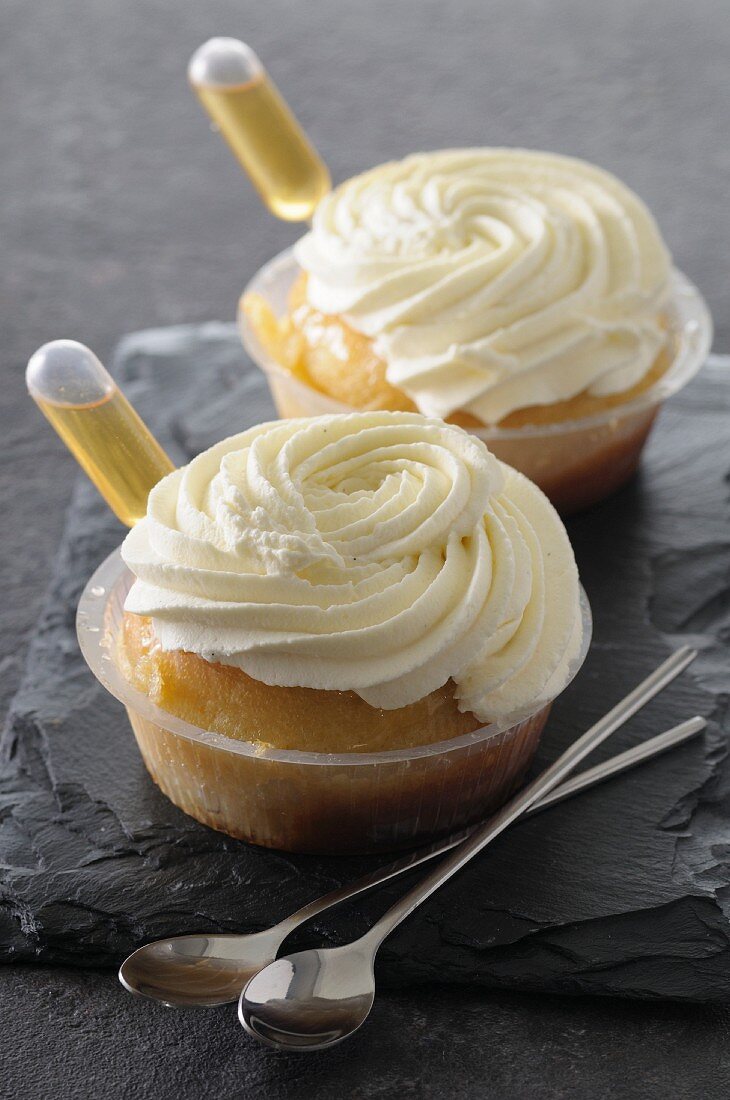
(491, 280)
(382, 553)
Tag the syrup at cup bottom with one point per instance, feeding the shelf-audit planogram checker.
(576, 462)
(305, 801)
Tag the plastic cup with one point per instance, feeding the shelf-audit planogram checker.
(304, 801)
(576, 462)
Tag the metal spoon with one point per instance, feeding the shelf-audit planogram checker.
(313, 999)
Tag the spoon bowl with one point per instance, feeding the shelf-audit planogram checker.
(312, 999)
(200, 970)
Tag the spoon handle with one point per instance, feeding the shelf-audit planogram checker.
(589, 778)
(530, 795)
(621, 762)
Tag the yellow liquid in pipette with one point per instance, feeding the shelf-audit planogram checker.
(270, 145)
(114, 447)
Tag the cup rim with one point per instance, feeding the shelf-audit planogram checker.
(690, 325)
(94, 636)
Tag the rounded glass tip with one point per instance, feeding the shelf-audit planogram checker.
(224, 63)
(65, 372)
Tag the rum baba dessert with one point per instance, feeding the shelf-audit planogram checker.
(524, 295)
(360, 592)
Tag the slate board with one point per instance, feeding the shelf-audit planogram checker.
(624, 890)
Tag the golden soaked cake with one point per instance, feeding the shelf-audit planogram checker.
(222, 698)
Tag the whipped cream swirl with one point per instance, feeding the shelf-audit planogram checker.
(381, 553)
(493, 279)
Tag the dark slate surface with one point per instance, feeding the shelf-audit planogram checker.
(424, 1044)
(621, 891)
(120, 210)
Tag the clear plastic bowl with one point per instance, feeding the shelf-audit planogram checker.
(304, 801)
(576, 462)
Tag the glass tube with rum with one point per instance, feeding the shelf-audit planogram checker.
(98, 425)
(260, 128)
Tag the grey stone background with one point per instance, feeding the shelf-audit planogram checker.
(119, 209)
